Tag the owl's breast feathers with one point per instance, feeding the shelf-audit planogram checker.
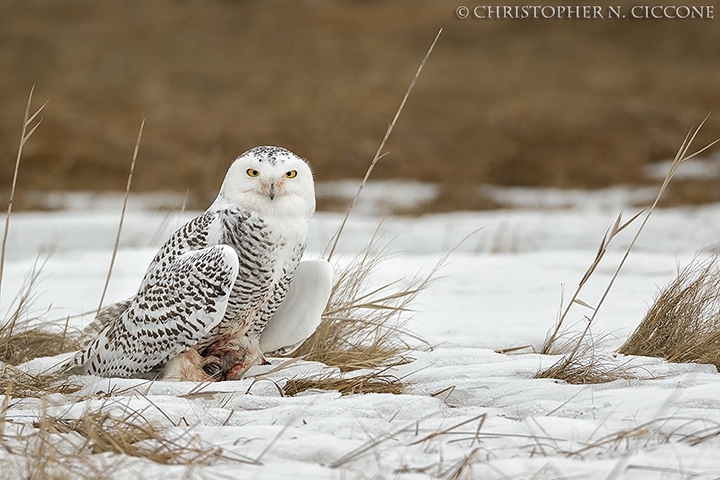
(268, 250)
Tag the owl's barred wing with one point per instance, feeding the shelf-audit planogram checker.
(101, 320)
(190, 237)
(167, 317)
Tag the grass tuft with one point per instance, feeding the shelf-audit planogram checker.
(21, 340)
(15, 383)
(99, 441)
(362, 327)
(579, 349)
(683, 324)
(587, 367)
(129, 435)
(374, 382)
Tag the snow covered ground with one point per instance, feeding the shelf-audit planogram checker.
(468, 412)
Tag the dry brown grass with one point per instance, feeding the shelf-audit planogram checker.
(379, 152)
(374, 382)
(683, 323)
(25, 345)
(40, 459)
(696, 191)
(579, 361)
(363, 327)
(16, 383)
(56, 447)
(587, 366)
(122, 216)
(372, 445)
(661, 430)
(129, 435)
(554, 103)
(21, 342)
(21, 339)
(62, 448)
(24, 137)
(559, 340)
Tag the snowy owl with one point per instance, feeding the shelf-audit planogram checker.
(210, 291)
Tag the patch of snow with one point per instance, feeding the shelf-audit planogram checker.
(701, 168)
(380, 197)
(612, 198)
(107, 201)
(468, 412)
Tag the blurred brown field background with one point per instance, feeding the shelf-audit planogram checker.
(563, 103)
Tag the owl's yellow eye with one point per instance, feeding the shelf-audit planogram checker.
(252, 172)
(291, 174)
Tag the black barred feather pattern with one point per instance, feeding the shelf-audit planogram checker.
(166, 317)
(261, 283)
(218, 279)
(104, 316)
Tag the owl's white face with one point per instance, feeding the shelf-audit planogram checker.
(271, 181)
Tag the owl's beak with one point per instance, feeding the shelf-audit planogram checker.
(270, 189)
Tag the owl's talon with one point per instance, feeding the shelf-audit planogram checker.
(212, 369)
(212, 366)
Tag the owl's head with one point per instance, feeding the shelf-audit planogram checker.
(270, 181)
